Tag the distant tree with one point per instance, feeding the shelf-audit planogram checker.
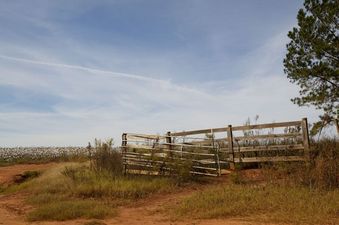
(312, 59)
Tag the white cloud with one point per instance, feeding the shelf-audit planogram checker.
(98, 102)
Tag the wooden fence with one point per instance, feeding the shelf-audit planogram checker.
(207, 151)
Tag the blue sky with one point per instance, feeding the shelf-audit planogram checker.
(71, 71)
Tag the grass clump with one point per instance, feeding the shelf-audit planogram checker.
(283, 204)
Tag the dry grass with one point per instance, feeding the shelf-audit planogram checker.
(293, 193)
(72, 191)
(82, 184)
(283, 204)
(71, 209)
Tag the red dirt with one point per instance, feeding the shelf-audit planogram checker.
(145, 212)
(8, 173)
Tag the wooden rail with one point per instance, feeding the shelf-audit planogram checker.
(208, 154)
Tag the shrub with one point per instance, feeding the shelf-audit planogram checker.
(105, 158)
(320, 173)
(324, 168)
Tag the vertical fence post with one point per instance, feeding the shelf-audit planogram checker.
(230, 147)
(216, 154)
(124, 150)
(306, 139)
(169, 141)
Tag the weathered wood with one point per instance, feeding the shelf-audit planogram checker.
(237, 128)
(148, 151)
(272, 159)
(205, 168)
(266, 125)
(167, 168)
(268, 136)
(203, 131)
(206, 174)
(306, 139)
(188, 145)
(259, 148)
(123, 148)
(217, 140)
(146, 136)
(159, 150)
(230, 147)
(169, 142)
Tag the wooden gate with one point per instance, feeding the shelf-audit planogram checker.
(207, 151)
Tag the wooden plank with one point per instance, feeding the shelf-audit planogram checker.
(169, 151)
(140, 147)
(137, 153)
(267, 125)
(131, 161)
(237, 128)
(191, 153)
(200, 161)
(202, 131)
(188, 145)
(166, 168)
(272, 159)
(205, 174)
(269, 148)
(205, 168)
(268, 136)
(145, 136)
(165, 146)
(217, 140)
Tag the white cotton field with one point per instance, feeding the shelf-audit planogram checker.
(37, 153)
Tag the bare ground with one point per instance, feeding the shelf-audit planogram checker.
(8, 173)
(148, 211)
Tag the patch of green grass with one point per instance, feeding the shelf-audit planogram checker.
(283, 204)
(71, 209)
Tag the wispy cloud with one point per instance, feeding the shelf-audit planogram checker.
(178, 69)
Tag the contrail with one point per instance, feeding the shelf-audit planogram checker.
(107, 72)
(69, 66)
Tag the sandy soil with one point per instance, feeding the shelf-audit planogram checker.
(145, 212)
(8, 173)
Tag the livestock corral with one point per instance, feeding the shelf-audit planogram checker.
(208, 151)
